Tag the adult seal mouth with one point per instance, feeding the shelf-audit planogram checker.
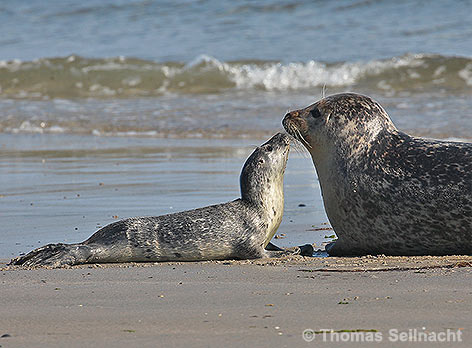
(241, 229)
(384, 191)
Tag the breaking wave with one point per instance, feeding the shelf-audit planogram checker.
(120, 77)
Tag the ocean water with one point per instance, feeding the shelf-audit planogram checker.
(156, 85)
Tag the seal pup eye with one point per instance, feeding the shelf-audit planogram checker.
(315, 113)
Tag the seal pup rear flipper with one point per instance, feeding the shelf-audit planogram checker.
(55, 255)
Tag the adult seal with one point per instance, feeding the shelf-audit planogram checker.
(240, 229)
(385, 192)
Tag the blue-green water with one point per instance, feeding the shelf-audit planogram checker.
(285, 30)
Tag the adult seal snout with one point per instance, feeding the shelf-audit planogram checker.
(386, 192)
(239, 229)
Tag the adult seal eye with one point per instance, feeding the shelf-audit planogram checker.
(315, 113)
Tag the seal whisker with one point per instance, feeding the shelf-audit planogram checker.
(301, 150)
(302, 138)
(293, 131)
(295, 134)
(297, 146)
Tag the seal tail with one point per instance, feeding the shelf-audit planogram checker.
(55, 255)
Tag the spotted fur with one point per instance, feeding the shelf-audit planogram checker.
(240, 229)
(386, 192)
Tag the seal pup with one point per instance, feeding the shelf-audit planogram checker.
(240, 229)
(385, 192)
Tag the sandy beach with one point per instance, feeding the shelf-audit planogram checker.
(64, 195)
(264, 303)
(118, 109)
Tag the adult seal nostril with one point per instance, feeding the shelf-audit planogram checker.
(240, 229)
(386, 192)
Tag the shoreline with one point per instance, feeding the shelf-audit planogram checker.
(368, 263)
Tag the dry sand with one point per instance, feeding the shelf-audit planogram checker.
(259, 303)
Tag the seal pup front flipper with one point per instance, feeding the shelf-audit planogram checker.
(273, 247)
(303, 250)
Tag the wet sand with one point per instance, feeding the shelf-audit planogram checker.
(265, 303)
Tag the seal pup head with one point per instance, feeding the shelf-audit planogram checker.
(261, 183)
(336, 121)
(262, 175)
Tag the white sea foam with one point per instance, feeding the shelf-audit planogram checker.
(278, 76)
(55, 129)
(205, 60)
(466, 74)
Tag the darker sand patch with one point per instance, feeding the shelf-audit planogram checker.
(311, 264)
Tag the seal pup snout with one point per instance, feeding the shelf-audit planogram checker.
(279, 142)
(281, 138)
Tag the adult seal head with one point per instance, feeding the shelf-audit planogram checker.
(239, 229)
(385, 192)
